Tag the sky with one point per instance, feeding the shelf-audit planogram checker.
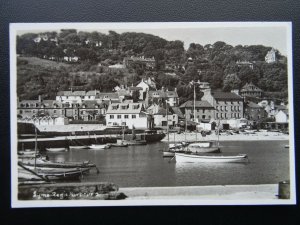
(267, 34)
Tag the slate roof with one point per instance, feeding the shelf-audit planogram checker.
(219, 95)
(250, 87)
(254, 105)
(163, 94)
(198, 104)
(78, 93)
(177, 111)
(129, 108)
(109, 95)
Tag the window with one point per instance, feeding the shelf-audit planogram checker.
(217, 115)
(203, 116)
(126, 116)
(221, 108)
(124, 107)
(54, 111)
(225, 108)
(203, 111)
(115, 107)
(225, 115)
(33, 111)
(21, 111)
(136, 106)
(133, 116)
(111, 116)
(119, 116)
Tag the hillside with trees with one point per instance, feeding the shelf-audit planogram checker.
(45, 64)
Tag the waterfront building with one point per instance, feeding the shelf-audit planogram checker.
(271, 56)
(227, 105)
(161, 116)
(86, 110)
(204, 111)
(126, 114)
(282, 116)
(250, 90)
(254, 112)
(76, 96)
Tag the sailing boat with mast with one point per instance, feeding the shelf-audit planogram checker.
(51, 170)
(121, 142)
(134, 140)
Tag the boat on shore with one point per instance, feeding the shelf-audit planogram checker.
(217, 158)
(56, 149)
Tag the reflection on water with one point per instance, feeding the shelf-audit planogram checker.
(143, 166)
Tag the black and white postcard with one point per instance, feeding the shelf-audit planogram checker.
(121, 114)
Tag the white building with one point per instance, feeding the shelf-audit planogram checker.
(161, 117)
(126, 114)
(271, 56)
(282, 116)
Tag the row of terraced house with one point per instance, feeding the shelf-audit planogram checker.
(154, 107)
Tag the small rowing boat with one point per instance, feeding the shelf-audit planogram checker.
(99, 146)
(217, 158)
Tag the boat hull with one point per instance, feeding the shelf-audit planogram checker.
(192, 158)
(56, 149)
(99, 147)
(78, 147)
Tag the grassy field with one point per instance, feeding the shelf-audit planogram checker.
(34, 61)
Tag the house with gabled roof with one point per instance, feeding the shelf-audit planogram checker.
(126, 114)
(162, 116)
(163, 95)
(227, 105)
(250, 90)
(254, 112)
(203, 112)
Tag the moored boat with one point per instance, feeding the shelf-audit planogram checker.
(204, 147)
(195, 158)
(78, 147)
(120, 143)
(99, 146)
(56, 149)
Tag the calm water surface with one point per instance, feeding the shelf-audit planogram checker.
(144, 166)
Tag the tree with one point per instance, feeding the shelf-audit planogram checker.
(231, 82)
(135, 95)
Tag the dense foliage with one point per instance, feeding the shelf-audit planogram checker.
(217, 64)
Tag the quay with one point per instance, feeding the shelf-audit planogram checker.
(199, 195)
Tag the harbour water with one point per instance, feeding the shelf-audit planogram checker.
(144, 166)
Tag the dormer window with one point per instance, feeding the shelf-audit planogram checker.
(115, 107)
(136, 106)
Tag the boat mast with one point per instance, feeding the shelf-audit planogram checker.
(35, 148)
(219, 134)
(167, 122)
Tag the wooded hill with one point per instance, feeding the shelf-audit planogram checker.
(219, 63)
